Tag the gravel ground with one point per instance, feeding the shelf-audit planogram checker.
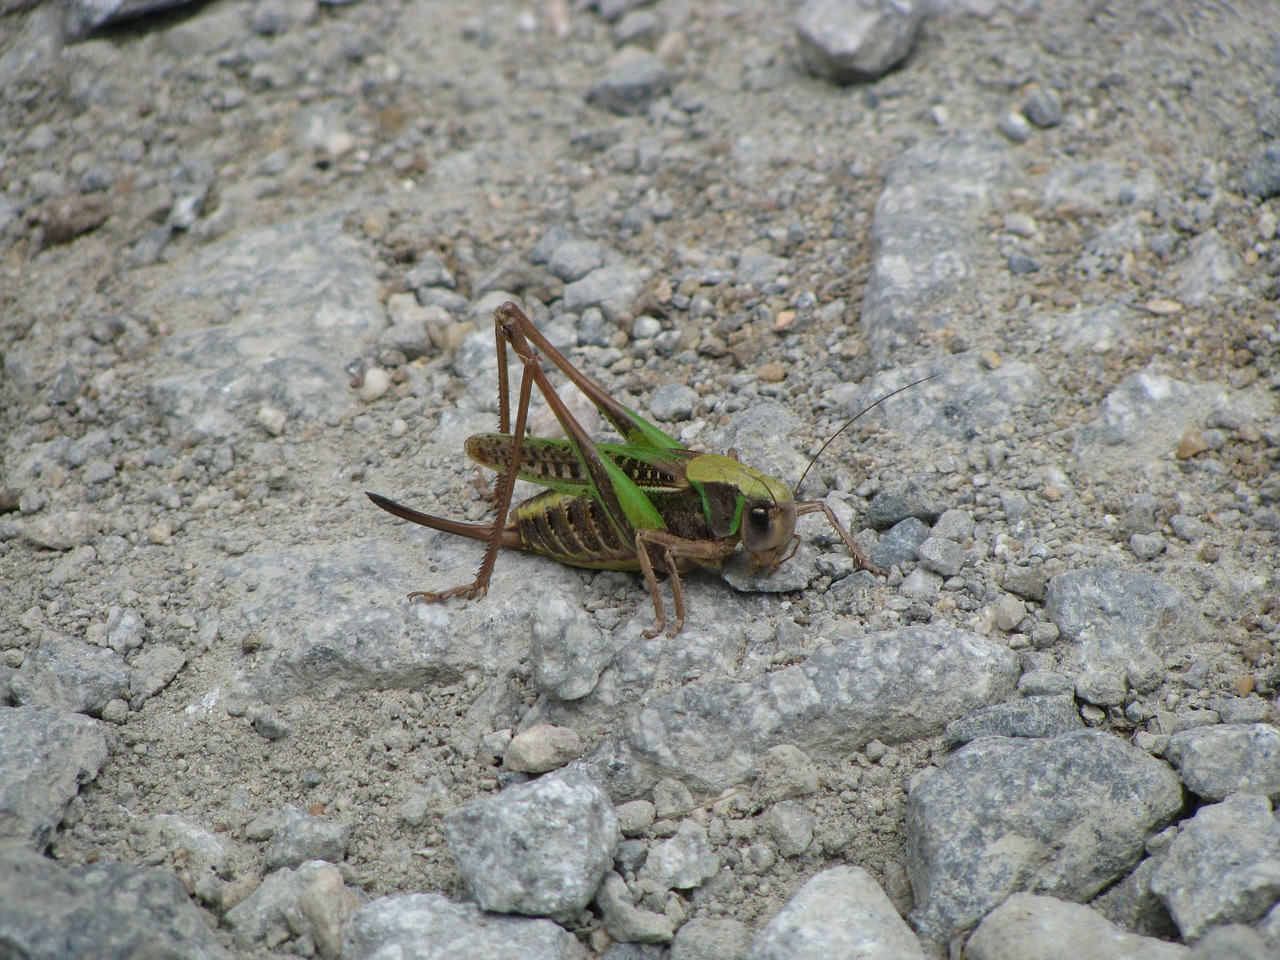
(249, 252)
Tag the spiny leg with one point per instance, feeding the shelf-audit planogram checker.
(672, 549)
(820, 506)
(480, 585)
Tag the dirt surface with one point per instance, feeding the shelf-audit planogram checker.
(461, 132)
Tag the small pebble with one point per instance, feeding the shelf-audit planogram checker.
(1192, 443)
(272, 420)
(376, 384)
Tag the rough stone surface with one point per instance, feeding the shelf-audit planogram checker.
(1223, 867)
(1064, 816)
(892, 686)
(538, 848)
(427, 926)
(110, 910)
(1031, 927)
(841, 912)
(46, 755)
(1215, 762)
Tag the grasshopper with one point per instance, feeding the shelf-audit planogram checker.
(644, 504)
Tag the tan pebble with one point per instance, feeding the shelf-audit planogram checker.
(991, 360)
(1052, 494)
(1245, 685)
(542, 748)
(771, 373)
(272, 420)
(160, 533)
(1164, 307)
(1192, 442)
(783, 320)
(376, 384)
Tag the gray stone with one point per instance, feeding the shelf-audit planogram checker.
(300, 837)
(786, 772)
(682, 862)
(791, 826)
(1235, 941)
(1262, 176)
(1042, 107)
(83, 17)
(850, 40)
(538, 848)
(894, 686)
(838, 908)
(311, 899)
(1223, 866)
(614, 289)
(427, 926)
(108, 911)
(1064, 815)
(672, 402)
(1115, 617)
(943, 557)
(1102, 687)
(1208, 271)
(70, 675)
(1031, 927)
(270, 317)
(45, 757)
(900, 543)
(908, 499)
(153, 669)
(1029, 717)
(626, 922)
(64, 531)
(568, 650)
(706, 938)
(1144, 418)
(634, 79)
(926, 237)
(1215, 762)
(567, 255)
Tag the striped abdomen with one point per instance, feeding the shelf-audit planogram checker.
(574, 530)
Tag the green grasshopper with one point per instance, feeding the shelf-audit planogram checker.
(645, 503)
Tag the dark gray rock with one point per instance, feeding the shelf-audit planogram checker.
(672, 402)
(1223, 866)
(926, 235)
(1029, 717)
(71, 675)
(894, 686)
(108, 911)
(46, 755)
(633, 80)
(1262, 176)
(1115, 617)
(837, 909)
(910, 498)
(900, 544)
(271, 316)
(1031, 927)
(1064, 816)
(944, 557)
(86, 16)
(1215, 762)
(850, 40)
(1042, 107)
(427, 926)
(539, 848)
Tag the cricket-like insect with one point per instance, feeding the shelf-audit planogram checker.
(642, 504)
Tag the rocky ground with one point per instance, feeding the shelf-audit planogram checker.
(250, 251)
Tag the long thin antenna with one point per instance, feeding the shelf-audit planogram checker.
(851, 422)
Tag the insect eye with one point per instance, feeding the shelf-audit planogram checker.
(759, 519)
